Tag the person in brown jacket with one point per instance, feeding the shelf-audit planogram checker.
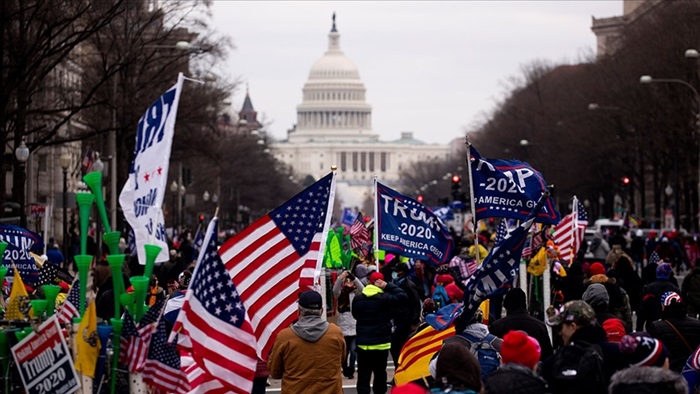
(308, 355)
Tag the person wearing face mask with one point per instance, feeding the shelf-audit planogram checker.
(407, 315)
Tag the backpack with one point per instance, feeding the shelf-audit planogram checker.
(440, 297)
(578, 368)
(484, 351)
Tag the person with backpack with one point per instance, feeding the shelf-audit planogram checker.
(476, 338)
(456, 371)
(680, 333)
(440, 296)
(597, 297)
(520, 355)
(586, 360)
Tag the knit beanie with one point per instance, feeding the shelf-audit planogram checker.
(519, 348)
(409, 388)
(670, 297)
(361, 271)
(375, 277)
(641, 349)
(596, 269)
(444, 279)
(596, 295)
(454, 292)
(663, 271)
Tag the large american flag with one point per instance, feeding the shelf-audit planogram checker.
(359, 235)
(69, 308)
(278, 256)
(162, 367)
(568, 234)
(212, 324)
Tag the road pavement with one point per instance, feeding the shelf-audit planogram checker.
(348, 384)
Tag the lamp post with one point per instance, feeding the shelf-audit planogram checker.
(174, 187)
(181, 192)
(98, 166)
(647, 79)
(64, 160)
(22, 154)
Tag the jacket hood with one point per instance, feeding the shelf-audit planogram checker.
(647, 380)
(310, 328)
(477, 330)
(372, 290)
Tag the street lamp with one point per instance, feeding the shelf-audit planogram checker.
(174, 187)
(182, 190)
(64, 160)
(98, 165)
(647, 79)
(22, 155)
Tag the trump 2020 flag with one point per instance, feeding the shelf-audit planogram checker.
(409, 228)
(508, 189)
(500, 266)
(142, 196)
(20, 242)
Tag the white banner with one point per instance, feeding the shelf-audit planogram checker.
(141, 198)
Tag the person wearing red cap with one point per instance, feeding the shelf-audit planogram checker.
(520, 356)
(619, 300)
(373, 310)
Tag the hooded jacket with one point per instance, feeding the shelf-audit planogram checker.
(373, 310)
(619, 300)
(647, 380)
(307, 356)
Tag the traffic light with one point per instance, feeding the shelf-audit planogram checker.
(201, 218)
(456, 187)
(625, 180)
(419, 198)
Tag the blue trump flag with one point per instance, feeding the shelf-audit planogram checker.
(20, 242)
(508, 189)
(444, 213)
(348, 217)
(410, 229)
(500, 266)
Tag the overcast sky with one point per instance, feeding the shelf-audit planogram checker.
(434, 68)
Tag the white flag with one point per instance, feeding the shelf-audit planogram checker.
(141, 198)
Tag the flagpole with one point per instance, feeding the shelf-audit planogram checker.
(375, 249)
(574, 224)
(471, 201)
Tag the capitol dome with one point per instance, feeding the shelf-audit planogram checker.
(333, 106)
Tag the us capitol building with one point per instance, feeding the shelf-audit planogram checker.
(334, 127)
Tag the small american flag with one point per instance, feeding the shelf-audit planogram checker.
(654, 258)
(212, 324)
(359, 235)
(134, 340)
(88, 161)
(568, 234)
(162, 367)
(501, 231)
(70, 306)
(278, 256)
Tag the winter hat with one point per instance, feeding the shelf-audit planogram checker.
(454, 292)
(614, 330)
(670, 297)
(596, 269)
(575, 311)
(641, 349)
(409, 388)
(361, 271)
(519, 348)
(515, 299)
(428, 307)
(375, 277)
(310, 299)
(596, 295)
(444, 279)
(457, 366)
(663, 271)
(184, 278)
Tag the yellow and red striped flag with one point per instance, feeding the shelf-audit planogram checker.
(416, 353)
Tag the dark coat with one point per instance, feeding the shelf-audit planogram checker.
(407, 313)
(690, 290)
(373, 311)
(678, 352)
(650, 304)
(520, 320)
(515, 379)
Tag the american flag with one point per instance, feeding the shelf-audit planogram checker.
(88, 161)
(278, 256)
(568, 234)
(162, 367)
(501, 231)
(359, 235)
(533, 242)
(69, 308)
(654, 258)
(212, 324)
(134, 341)
(132, 242)
(199, 380)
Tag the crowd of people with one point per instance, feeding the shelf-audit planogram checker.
(618, 323)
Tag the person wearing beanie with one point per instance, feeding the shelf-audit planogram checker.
(597, 297)
(520, 355)
(583, 339)
(619, 301)
(650, 304)
(457, 371)
(680, 333)
(517, 318)
(307, 355)
(691, 371)
(642, 350)
(647, 380)
(373, 310)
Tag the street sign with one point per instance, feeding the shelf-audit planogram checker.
(44, 362)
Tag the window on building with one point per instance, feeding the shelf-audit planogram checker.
(382, 161)
(343, 161)
(43, 163)
(363, 161)
(371, 161)
(354, 161)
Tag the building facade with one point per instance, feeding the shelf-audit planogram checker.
(334, 127)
